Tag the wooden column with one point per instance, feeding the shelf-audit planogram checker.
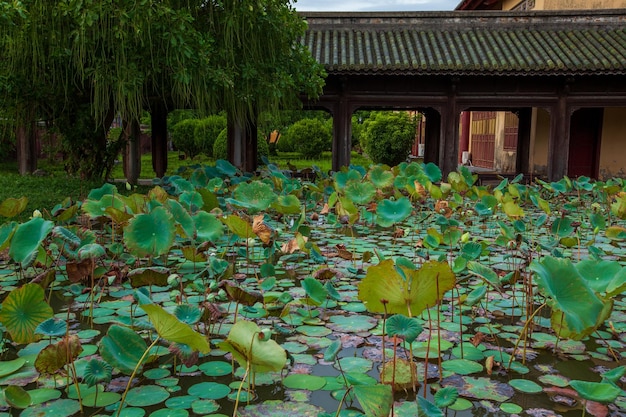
(242, 144)
(449, 146)
(26, 138)
(558, 148)
(132, 152)
(159, 139)
(432, 135)
(524, 117)
(465, 134)
(342, 134)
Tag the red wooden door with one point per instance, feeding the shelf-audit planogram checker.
(584, 142)
(483, 138)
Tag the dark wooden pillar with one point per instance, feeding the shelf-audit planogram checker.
(465, 134)
(524, 125)
(242, 144)
(132, 153)
(26, 141)
(432, 135)
(558, 148)
(449, 145)
(159, 139)
(342, 134)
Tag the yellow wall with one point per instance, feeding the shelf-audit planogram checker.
(613, 143)
(539, 141)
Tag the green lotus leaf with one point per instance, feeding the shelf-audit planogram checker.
(343, 178)
(280, 408)
(209, 390)
(6, 232)
(146, 395)
(605, 277)
(315, 290)
(187, 313)
(304, 381)
(462, 366)
(27, 238)
(150, 234)
(489, 275)
(617, 233)
(376, 400)
(209, 199)
(122, 348)
(244, 343)
(481, 388)
(67, 236)
(17, 396)
(181, 216)
(98, 208)
(614, 374)
(380, 176)
(525, 385)
(96, 372)
(562, 227)
(559, 281)
(153, 275)
(390, 212)
(254, 196)
(287, 204)
(360, 192)
(389, 289)
(52, 327)
(101, 399)
(208, 227)
(445, 397)
(8, 367)
(407, 328)
(433, 172)
(332, 350)
(174, 330)
(425, 408)
(11, 207)
(98, 193)
(239, 226)
(226, 168)
(91, 251)
(191, 200)
(476, 295)
(601, 392)
(23, 310)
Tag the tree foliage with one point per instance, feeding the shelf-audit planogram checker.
(241, 56)
(388, 137)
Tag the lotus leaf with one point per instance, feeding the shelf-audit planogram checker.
(8, 367)
(122, 348)
(525, 385)
(56, 408)
(445, 397)
(52, 327)
(244, 343)
(407, 328)
(433, 172)
(54, 357)
(97, 371)
(390, 212)
(380, 177)
(27, 239)
(560, 282)
(280, 408)
(343, 178)
(255, 197)
(314, 289)
(154, 275)
(174, 330)
(98, 208)
(23, 310)
(287, 204)
(389, 289)
(11, 207)
(146, 395)
(17, 396)
(191, 200)
(182, 217)
(601, 392)
(360, 192)
(425, 408)
(480, 388)
(238, 226)
(6, 232)
(150, 234)
(304, 381)
(376, 400)
(101, 399)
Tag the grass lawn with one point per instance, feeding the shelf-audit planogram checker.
(45, 192)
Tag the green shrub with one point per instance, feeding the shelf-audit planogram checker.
(220, 150)
(285, 144)
(183, 137)
(207, 131)
(310, 137)
(388, 137)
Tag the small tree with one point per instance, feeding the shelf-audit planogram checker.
(310, 137)
(388, 137)
(207, 131)
(183, 137)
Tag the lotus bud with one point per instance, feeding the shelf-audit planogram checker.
(251, 241)
(128, 186)
(264, 335)
(37, 213)
(465, 237)
(213, 285)
(211, 297)
(221, 293)
(596, 230)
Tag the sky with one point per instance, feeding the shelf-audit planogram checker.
(374, 5)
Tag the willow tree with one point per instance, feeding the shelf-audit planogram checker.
(78, 64)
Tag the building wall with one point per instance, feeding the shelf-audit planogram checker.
(563, 4)
(612, 155)
(539, 142)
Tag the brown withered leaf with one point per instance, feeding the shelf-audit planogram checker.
(477, 339)
(292, 245)
(325, 209)
(78, 271)
(262, 230)
(344, 253)
(327, 273)
(441, 207)
(398, 233)
(489, 364)
(54, 357)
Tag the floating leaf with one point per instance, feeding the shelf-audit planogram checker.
(23, 310)
(146, 395)
(445, 397)
(153, 275)
(601, 392)
(173, 330)
(525, 385)
(480, 388)
(17, 396)
(304, 381)
(8, 367)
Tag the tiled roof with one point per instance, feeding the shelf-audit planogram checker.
(532, 43)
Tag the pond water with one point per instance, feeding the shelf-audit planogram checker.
(308, 311)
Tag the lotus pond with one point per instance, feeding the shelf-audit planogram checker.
(372, 291)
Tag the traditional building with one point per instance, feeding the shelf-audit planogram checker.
(596, 139)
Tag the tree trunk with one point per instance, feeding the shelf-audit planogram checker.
(26, 138)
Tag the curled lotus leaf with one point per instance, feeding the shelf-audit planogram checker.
(97, 371)
(54, 357)
(27, 239)
(602, 392)
(247, 348)
(172, 329)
